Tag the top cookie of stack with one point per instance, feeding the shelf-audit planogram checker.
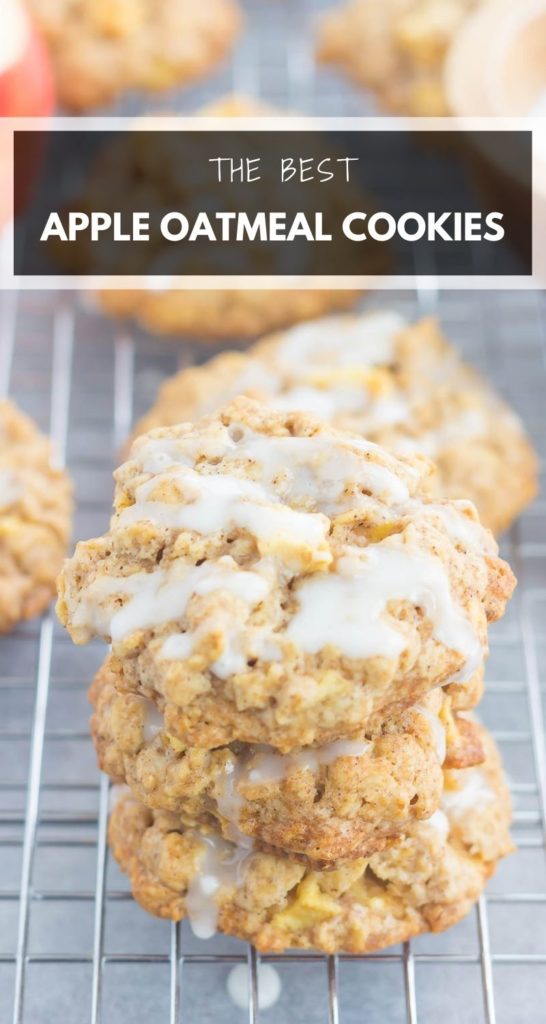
(275, 580)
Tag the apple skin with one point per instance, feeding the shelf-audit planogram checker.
(27, 88)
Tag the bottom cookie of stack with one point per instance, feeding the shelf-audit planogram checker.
(426, 881)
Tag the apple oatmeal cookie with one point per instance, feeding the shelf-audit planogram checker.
(274, 580)
(346, 799)
(35, 518)
(396, 48)
(102, 48)
(212, 313)
(426, 881)
(401, 385)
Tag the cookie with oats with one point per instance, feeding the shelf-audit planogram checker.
(274, 580)
(401, 385)
(155, 303)
(102, 48)
(35, 518)
(396, 48)
(426, 881)
(343, 800)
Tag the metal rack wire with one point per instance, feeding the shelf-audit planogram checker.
(73, 945)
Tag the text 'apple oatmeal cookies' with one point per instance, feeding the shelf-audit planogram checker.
(426, 881)
(211, 314)
(346, 799)
(398, 384)
(274, 580)
(35, 518)
(396, 48)
(102, 48)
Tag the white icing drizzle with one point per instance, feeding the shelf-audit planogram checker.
(263, 765)
(387, 411)
(331, 343)
(438, 730)
(439, 822)
(221, 502)
(342, 341)
(309, 471)
(266, 765)
(290, 381)
(161, 596)
(462, 528)
(256, 377)
(164, 596)
(323, 403)
(11, 488)
(230, 802)
(472, 423)
(220, 866)
(153, 721)
(473, 791)
(239, 645)
(157, 454)
(348, 609)
(328, 402)
(313, 469)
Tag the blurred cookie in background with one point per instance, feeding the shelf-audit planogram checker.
(160, 181)
(401, 385)
(396, 48)
(101, 48)
(35, 518)
(220, 313)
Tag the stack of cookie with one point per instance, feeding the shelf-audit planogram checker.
(297, 631)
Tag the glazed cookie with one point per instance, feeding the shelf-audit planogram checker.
(212, 313)
(35, 518)
(273, 580)
(343, 800)
(426, 881)
(101, 48)
(402, 386)
(396, 48)
(215, 314)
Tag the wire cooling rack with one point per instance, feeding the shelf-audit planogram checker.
(74, 947)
